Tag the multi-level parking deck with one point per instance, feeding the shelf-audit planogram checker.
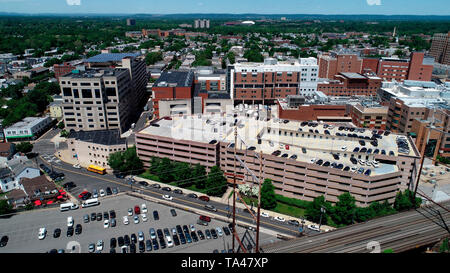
(304, 160)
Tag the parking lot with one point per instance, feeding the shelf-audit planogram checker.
(23, 229)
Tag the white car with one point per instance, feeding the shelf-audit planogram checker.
(353, 169)
(375, 164)
(361, 161)
(106, 224)
(278, 218)
(144, 217)
(368, 163)
(167, 197)
(219, 231)
(125, 220)
(169, 241)
(343, 148)
(264, 214)
(314, 227)
(136, 219)
(70, 221)
(192, 227)
(141, 236)
(144, 208)
(99, 245)
(102, 192)
(42, 233)
(77, 166)
(313, 160)
(281, 146)
(130, 212)
(174, 231)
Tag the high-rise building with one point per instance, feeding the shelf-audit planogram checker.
(201, 23)
(131, 22)
(107, 95)
(440, 48)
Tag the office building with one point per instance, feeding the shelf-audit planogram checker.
(131, 22)
(350, 84)
(440, 48)
(368, 115)
(94, 147)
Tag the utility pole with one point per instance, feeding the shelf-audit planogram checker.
(259, 202)
(234, 188)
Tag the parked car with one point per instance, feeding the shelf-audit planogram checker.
(204, 198)
(205, 218)
(173, 212)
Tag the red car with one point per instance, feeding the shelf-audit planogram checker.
(205, 218)
(204, 198)
(137, 210)
(83, 194)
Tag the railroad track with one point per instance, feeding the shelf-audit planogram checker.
(400, 232)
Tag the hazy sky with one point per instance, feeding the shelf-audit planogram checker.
(388, 7)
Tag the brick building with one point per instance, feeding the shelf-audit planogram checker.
(350, 84)
(365, 116)
(309, 111)
(440, 48)
(62, 69)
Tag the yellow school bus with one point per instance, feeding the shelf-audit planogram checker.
(96, 169)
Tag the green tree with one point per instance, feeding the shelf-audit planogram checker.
(153, 57)
(344, 209)
(405, 201)
(125, 162)
(181, 173)
(199, 173)
(5, 207)
(313, 210)
(24, 147)
(268, 198)
(216, 183)
(445, 246)
(163, 170)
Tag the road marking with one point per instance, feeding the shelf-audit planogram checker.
(156, 194)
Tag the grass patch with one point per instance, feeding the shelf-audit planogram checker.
(289, 210)
(148, 175)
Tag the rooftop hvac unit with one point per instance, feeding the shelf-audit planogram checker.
(424, 172)
(432, 174)
(442, 172)
(215, 130)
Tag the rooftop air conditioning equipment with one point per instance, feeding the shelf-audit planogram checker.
(432, 174)
(424, 172)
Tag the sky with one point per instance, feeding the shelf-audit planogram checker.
(386, 7)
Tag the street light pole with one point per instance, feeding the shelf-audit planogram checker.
(259, 203)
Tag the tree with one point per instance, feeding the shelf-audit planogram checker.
(364, 214)
(313, 210)
(24, 147)
(344, 209)
(268, 198)
(5, 207)
(405, 201)
(163, 170)
(199, 173)
(153, 57)
(181, 173)
(216, 183)
(125, 162)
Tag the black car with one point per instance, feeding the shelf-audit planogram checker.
(70, 231)
(363, 150)
(69, 185)
(160, 234)
(99, 216)
(173, 212)
(155, 215)
(293, 157)
(132, 248)
(120, 241)
(78, 229)
(362, 142)
(162, 243)
(208, 234)
(112, 243)
(93, 216)
(285, 155)
(178, 191)
(56, 233)
(194, 236)
(347, 168)
(112, 214)
(155, 244)
(326, 164)
(86, 196)
(353, 160)
(319, 162)
(201, 235)
(182, 239)
(192, 195)
(335, 156)
(276, 153)
(108, 191)
(133, 238)
(148, 245)
(294, 222)
(179, 230)
(176, 240)
(356, 150)
(143, 183)
(166, 189)
(106, 215)
(185, 229)
(112, 250)
(304, 150)
(141, 247)
(226, 231)
(213, 233)
(119, 175)
(126, 239)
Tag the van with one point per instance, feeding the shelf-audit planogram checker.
(90, 202)
(65, 206)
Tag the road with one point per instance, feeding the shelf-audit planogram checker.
(399, 232)
(86, 180)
